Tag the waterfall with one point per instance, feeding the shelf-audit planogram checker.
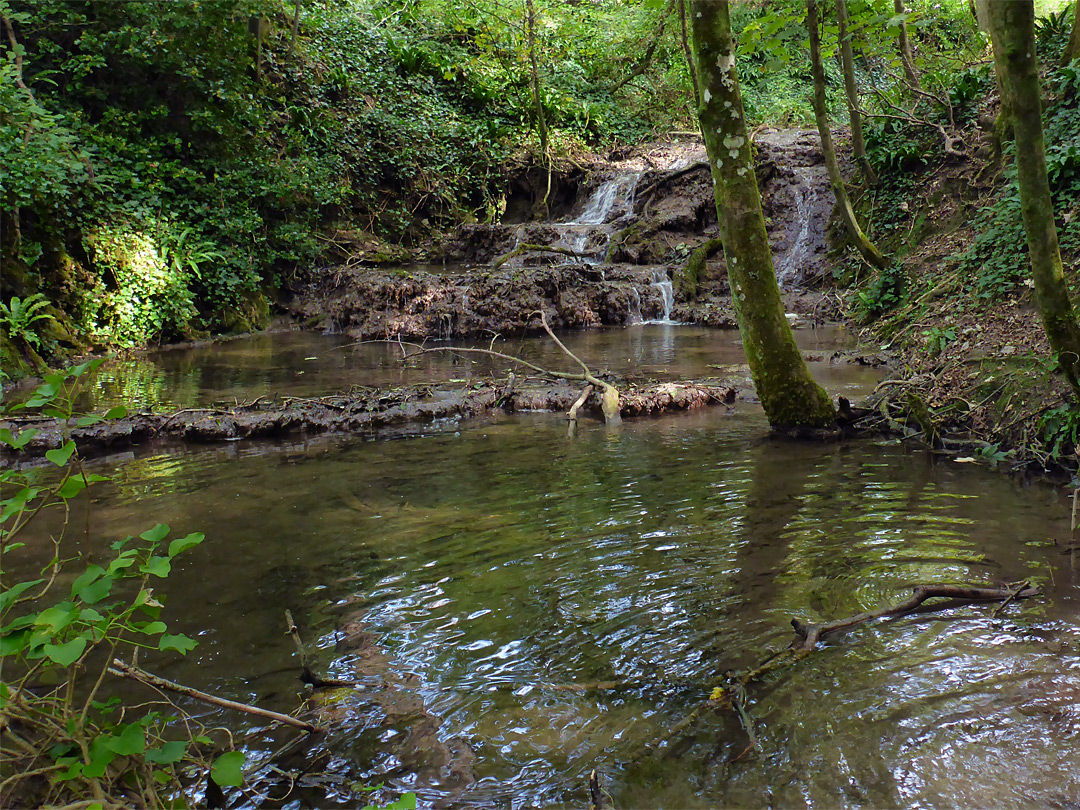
(666, 289)
(805, 197)
(598, 207)
(633, 312)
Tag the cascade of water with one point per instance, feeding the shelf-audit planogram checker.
(667, 296)
(618, 189)
(805, 197)
(633, 313)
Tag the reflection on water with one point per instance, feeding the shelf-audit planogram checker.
(497, 560)
(310, 364)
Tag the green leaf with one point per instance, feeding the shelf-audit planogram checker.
(179, 642)
(131, 741)
(226, 771)
(92, 574)
(14, 642)
(184, 543)
(18, 442)
(8, 597)
(156, 534)
(72, 487)
(153, 628)
(157, 566)
(57, 618)
(94, 593)
(119, 412)
(60, 455)
(87, 421)
(66, 654)
(167, 754)
(406, 802)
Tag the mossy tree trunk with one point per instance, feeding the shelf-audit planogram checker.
(821, 113)
(689, 55)
(788, 393)
(1072, 50)
(907, 58)
(847, 59)
(1012, 27)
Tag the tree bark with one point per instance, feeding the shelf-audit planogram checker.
(1072, 50)
(788, 393)
(295, 28)
(534, 65)
(1012, 28)
(689, 55)
(821, 113)
(847, 59)
(907, 58)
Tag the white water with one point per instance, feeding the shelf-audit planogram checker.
(616, 190)
(662, 284)
(790, 265)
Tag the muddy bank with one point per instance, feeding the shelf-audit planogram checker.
(360, 411)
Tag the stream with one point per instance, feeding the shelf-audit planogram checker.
(497, 560)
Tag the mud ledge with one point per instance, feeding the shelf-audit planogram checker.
(360, 411)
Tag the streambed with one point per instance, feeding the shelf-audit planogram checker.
(493, 559)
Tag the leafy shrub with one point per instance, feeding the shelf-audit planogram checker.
(884, 292)
(18, 317)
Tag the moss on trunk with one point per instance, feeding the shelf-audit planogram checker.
(867, 248)
(1012, 27)
(789, 395)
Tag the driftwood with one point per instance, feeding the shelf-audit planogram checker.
(530, 248)
(122, 670)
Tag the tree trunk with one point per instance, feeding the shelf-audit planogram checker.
(541, 122)
(1012, 27)
(1072, 50)
(847, 60)
(867, 248)
(907, 58)
(295, 28)
(689, 55)
(789, 395)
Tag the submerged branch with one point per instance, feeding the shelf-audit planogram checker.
(122, 670)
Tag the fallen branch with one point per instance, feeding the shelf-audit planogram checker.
(610, 400)
(531, 248)
(122, 670)
(811, 634)
(731, 693)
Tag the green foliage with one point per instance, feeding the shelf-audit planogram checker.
(1059, 429)
(937, 338)
(61, 630)
(18, 316)
(884, 292)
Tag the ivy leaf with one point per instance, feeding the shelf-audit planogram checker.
(66, 654)
(179, 642)
(17, 442)
(8, 597)
(72, 487)
(226, 771)
(60, 455)
(119, 412)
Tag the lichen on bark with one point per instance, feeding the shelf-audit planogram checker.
(789, 395)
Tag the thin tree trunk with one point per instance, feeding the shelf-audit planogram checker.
(867, 248)
(541, 122)
(1012, 27)
(847, 59)
(689, 55)
(788, 393)
(907, 58)
(295, 28)
(1072, 50)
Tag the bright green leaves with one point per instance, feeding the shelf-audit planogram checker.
(181, 643)
(60, 455)
(67, 653)
(184, 543)
(167, 754)
(17, 441)
(227, 770)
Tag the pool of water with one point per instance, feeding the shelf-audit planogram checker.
(312, 364)
(497, 562)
